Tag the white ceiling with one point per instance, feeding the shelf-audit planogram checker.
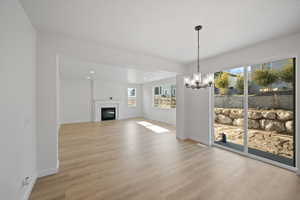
(165, 28)
(74, 69)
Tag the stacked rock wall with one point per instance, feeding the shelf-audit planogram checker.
(280, 121)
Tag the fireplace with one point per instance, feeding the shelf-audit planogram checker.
(108, 113)
(100, 105)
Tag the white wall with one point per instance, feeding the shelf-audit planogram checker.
(18, 100)
(47, 107)
(75, 101)
(118, 91)
(180, 108)
(158, 114)
(263, 52)
(192, 107)
(196, 126)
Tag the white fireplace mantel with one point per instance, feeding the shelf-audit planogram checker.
(98, 104)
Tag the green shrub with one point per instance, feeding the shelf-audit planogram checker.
(264, 77)
(222, 82)
(287, 73)
(240, 84)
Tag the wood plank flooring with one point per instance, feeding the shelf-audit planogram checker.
(125, 160)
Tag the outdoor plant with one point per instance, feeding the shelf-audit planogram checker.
(222, 82)
(287, 73)
(240, 84)
(265, 77)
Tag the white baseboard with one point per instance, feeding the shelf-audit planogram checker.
(129, 117)
(201, 142)
(181, 138)
(29, 188)
(47, 172)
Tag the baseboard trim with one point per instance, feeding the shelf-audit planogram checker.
(29, 188)
(195, 141)
(181, 139)
(187, 140)
(47, 172)
(192, 141)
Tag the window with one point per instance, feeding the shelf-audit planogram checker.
(131, 97)
(164, 96)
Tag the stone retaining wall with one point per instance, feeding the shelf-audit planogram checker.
(280, 121)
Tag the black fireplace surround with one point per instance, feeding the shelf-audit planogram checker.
(108, 113)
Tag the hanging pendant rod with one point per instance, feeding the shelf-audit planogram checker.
(198, 28)
(199, 80)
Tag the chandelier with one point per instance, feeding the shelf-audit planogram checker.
(199, 80)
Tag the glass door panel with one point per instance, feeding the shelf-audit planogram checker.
(229, 108)
(271, 110)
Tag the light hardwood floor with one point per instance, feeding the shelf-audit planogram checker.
(124, 160)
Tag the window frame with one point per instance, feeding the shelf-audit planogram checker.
(171, 88)
(132, 97)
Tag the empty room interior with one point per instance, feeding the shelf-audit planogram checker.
(146, 100)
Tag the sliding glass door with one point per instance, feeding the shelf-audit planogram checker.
(254, 110)
(229, 108)
(271, 110)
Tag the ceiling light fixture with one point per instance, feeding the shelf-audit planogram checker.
(199, 80)
(92, 72)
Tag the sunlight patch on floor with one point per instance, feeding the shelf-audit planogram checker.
(158, 129)
(154, 128)
(144, 123)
